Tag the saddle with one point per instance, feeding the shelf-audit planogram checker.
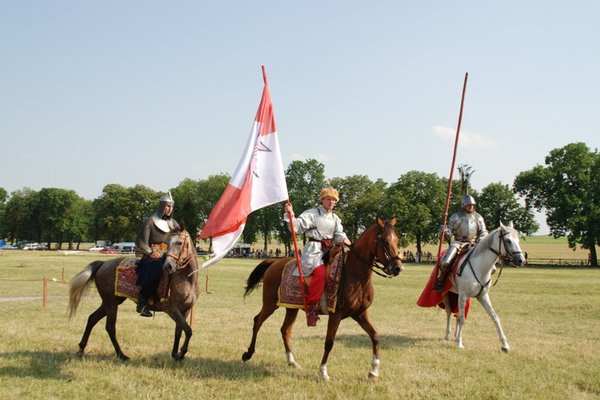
(290, 293)
(126, 277)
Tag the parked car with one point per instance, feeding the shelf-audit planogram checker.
(127, 249)
(8, 247)
(96, 249)
(109, 250)
(32, 246)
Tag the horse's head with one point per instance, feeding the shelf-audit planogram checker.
(386, 251)
(509, 245)
(181, 251)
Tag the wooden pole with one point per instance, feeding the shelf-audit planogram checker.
(206, 285)
(449, 192)
(45, 289)
(300, 275)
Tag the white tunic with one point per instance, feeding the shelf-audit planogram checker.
(317, 224)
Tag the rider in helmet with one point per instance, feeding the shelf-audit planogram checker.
(151, 243)
(465, 226)
(323, 228)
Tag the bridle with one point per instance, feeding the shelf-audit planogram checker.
(184, 257)
(508, 256)
(385, 266)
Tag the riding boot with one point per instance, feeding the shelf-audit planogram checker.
(441, 278)
(312, 316)
(141, 306)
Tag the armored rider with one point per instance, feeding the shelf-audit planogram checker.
(323, 228)
(151, 243)
(466, 227)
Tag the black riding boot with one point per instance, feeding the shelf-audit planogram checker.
(141, 306)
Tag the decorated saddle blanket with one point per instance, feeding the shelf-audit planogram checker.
(432, 298)
(290, 293)
(126, 277)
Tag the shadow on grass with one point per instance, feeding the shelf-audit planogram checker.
(50, 365)
(385, 341)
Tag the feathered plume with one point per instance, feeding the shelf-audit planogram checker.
(465, 176)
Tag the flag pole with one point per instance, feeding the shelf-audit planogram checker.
(300, 274)
(449, 192)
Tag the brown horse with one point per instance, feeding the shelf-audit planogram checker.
(377, 244)
(180, 262)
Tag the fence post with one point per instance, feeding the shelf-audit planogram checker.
(206, 285)
(45, 296)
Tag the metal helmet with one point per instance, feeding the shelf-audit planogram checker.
(467, 201)
(167, 198)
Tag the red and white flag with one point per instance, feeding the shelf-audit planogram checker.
(258, 181)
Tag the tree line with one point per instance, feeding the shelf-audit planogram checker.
(566, 188)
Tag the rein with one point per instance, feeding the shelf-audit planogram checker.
(499, 254)
(377, 264)
(182, 260)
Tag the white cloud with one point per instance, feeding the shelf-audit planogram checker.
(468, 140)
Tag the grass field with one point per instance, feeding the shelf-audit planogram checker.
(551, 317)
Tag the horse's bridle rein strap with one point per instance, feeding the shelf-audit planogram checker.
(376, 264)
(182, 262)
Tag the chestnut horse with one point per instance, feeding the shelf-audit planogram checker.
(180, 261)
(377, 244)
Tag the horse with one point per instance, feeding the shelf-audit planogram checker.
(180, 262)
(477, 267)
(377, 247)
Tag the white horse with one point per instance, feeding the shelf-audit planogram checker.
(475, 275)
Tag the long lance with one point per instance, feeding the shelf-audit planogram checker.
(300, 274)
(449, 193)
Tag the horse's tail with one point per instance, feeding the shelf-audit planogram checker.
(80, 284)
(256, 276)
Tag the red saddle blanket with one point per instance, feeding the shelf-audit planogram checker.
(432, 298)
(126, 277)
(290, 295)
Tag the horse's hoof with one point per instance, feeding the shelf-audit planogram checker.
(505, 349)
(246, 356)
(295, 365)
(80, 354)
(123, 357)
(373, 378)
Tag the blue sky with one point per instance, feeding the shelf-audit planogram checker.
(152, 92)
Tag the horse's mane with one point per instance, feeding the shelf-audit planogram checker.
(483, 244)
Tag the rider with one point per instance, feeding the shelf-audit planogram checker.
(467, 227)
(151, 242)
(323, 228)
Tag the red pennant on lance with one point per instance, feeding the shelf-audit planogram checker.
(258, 181)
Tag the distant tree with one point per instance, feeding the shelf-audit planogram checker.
(209, 192)
(264, 222)
(119, 211)
(360, 202)
(567, 188)
(55, 213)
(417, 199)
(20, 223)
(3, 200)
(498, 203)
(304, 181)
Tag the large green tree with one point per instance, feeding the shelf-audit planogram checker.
(417, 199)
(56, 214)
(208, 193)
(360, 202)
(498, 203)
(120, 211)
(20, 222)
(567, 188)
(304, 180)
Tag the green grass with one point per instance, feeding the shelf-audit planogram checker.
(550, 316)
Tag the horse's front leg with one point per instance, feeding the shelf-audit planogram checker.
(181, 325)
(265, 312)
(333, 324)
(485, 301)
(286, 335)
(365, 322)
(462, 302)
(448, 310)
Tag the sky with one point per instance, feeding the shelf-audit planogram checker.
(154, 92)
